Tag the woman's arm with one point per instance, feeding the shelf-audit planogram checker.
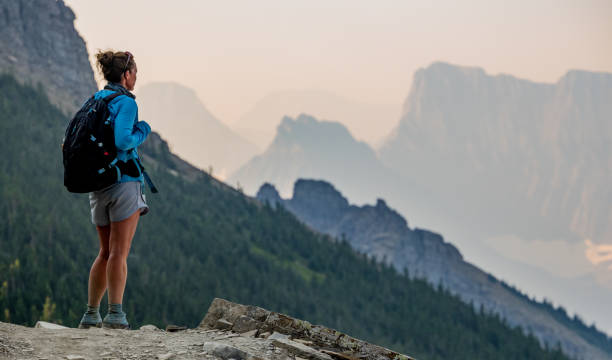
(128, 136)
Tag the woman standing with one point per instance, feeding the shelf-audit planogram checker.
(116, 209)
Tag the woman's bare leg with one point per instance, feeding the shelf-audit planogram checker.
(121, 234)
(97, 274)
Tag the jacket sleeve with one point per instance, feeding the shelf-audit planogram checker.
(129, 135)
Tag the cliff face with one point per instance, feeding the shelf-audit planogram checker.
(381, 232)
(39, 44)
(533, 150)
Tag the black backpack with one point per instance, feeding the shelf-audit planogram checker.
(89, 151)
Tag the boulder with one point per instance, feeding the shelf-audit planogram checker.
(225, 351)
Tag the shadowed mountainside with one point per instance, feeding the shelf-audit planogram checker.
(382, 233)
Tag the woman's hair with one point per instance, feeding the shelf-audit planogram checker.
(113, 64)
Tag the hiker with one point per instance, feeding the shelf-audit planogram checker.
(116, 209)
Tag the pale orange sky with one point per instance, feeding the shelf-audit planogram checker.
(235, 52)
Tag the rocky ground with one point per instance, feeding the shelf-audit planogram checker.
(228, 331)
(19, 342)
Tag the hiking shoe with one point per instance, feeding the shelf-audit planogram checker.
(90, 319)
(114, 320)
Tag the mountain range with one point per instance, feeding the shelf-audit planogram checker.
(504, 167)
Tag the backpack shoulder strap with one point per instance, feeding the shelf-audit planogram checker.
(108, 98)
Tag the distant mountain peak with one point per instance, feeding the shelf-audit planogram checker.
(305, 147)
(320, 192)
(305, 125)
(440, 67)
(268, 193)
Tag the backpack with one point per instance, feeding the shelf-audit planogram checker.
(89, 151)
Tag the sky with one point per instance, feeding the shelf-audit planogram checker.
(233, 53)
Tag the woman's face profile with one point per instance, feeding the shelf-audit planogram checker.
(130, 78)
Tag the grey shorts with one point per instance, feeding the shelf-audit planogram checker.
(117, 202)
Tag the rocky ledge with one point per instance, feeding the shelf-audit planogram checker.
(228, 331)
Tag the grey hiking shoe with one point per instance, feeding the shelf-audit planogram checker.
(90, 320)
(115, 321)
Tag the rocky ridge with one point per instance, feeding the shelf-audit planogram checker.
(228, 331)
(381, 232)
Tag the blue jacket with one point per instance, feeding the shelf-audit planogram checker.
(129, 132)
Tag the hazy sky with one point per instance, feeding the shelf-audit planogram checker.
(235, 52)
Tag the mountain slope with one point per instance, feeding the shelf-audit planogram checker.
(192, 131)
(201, 240)
(381, 232)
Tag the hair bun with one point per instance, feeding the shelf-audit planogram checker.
(105, 58)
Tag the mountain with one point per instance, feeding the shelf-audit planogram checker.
(514, 164)
(538, 149)
(55, 58)
(368, 122)
(191, 130)
(307, 147)
(203, 239)
(383, 233)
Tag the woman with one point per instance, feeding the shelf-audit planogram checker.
(115, 210)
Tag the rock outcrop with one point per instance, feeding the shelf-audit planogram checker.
(383, 233)
(297, 336)
(39, 45)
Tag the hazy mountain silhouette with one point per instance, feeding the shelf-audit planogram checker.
(537, 150)
(307, 147)
(367, 122)
(192, 131)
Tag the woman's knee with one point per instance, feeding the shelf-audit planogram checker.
(118, 255)
(104, 254)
